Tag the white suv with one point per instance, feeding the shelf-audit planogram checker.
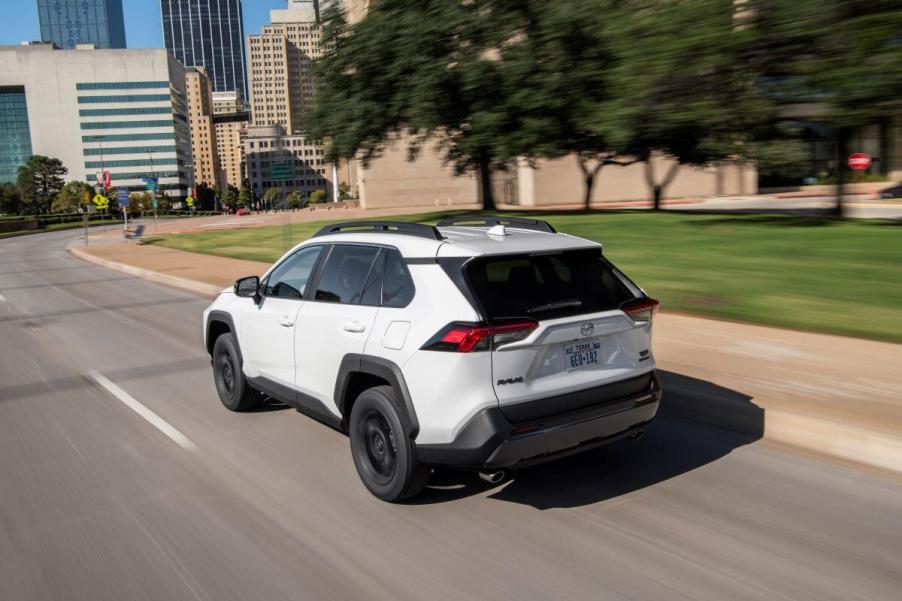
(486, 343)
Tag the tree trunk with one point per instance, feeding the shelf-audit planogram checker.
(656, 188)
(485, 184)
(841, 143)
(590, 183)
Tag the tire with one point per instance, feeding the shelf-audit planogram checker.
(385, 458)
(232, 386)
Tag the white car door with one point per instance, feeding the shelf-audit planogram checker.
(337, 320)
(267, 330)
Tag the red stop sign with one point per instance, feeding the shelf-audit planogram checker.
(859, 160)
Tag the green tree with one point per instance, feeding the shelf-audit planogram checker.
(72, 197)
(245, 197)
(138, 202)
(424, 69)
(295, 200)
(39, 180)
(557, 72)
(344, 191)
(684, 88)
(842, 57)
(9, 199)
(318, 197)
(271, 197)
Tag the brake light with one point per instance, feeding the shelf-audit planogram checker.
(640, 309)
(461, 337)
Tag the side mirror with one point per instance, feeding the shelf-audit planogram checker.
(248, 287)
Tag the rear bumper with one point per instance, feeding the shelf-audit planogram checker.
(490, 441)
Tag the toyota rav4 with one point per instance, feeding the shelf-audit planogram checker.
(483, 343)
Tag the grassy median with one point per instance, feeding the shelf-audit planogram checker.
(806, 273)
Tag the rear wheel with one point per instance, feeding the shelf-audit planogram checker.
(384, 456)
(232, 386)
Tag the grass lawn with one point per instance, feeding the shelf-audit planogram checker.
(795, 272)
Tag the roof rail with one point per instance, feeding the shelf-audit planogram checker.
(419, 230)
(490, 220)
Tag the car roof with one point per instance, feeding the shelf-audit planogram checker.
(461, 241)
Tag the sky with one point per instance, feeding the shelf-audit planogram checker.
(143, 25)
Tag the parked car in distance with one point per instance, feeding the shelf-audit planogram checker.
(484, 343)
(243, 211)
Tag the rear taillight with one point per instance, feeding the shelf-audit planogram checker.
(640, 309)
(459, 337)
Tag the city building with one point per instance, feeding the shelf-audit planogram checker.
(208, 34)
(230, 120)
(203, 133)
(15, 134)
(287, 162)
(118, 111)
(280, 62)
(68, 23)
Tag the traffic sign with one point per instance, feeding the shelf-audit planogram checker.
(150, 183)
(859, 160)
(190, 201)
(101, 201)
(122, 196)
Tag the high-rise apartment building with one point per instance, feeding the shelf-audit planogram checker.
(281, 60)
(208, 34)
(230, 120)
(67, 23)
(203, 134)
(122, 112)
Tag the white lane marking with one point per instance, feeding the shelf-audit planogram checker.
(3, 299)
(155, 420)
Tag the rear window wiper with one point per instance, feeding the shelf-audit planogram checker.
(556, 305)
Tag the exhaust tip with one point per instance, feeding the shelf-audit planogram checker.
(637, 435)
(492, 477)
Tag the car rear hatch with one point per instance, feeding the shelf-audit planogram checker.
(570, 331)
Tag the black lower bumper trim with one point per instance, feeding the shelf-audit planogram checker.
(490, 440)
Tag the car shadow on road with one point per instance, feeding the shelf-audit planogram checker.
(699, 422)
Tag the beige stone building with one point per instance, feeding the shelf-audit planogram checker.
(200, 119)
(280, 65)
(230, 122)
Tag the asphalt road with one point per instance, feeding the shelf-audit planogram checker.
(97, 502)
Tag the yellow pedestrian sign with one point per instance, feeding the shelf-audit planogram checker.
(101, 201)
(190, 201)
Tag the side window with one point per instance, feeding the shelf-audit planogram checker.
(397, 287)
(289, 279)
(345, 273)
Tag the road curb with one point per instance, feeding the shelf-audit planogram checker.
(849, 442)
(200, 288)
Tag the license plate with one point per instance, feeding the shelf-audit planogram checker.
(581, 355)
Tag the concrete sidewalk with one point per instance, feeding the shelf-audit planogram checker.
(829, 394)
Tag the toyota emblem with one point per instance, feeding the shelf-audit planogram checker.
(587, 329)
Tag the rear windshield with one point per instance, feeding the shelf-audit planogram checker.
(548, 286)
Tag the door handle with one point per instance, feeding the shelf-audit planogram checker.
(354, 326)
(286, 322)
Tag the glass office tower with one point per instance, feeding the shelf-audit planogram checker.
(70, 22)
(208, 34)
(15, 136)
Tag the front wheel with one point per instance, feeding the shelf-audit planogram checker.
(384, 456)
(232, 386)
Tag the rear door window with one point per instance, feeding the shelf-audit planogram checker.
(345, 273)
(547, 286)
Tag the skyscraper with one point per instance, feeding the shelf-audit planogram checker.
(208, 34)
(70, 22)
